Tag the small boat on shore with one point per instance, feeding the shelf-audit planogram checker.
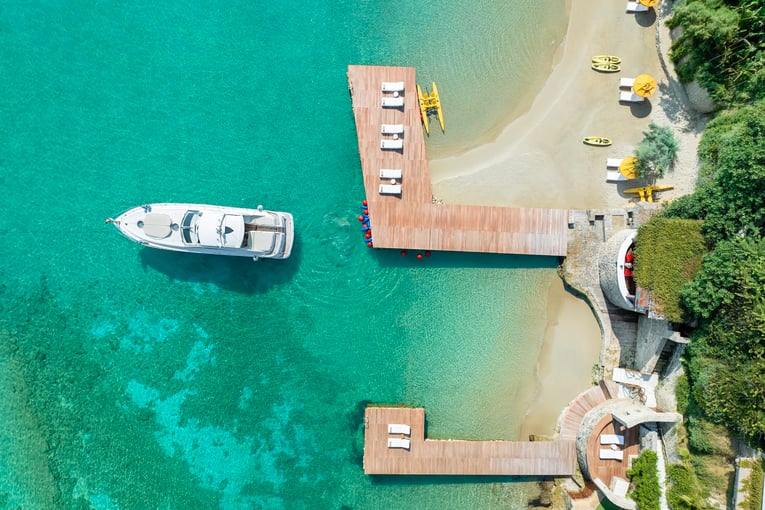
(606, 59)
(210, 229)
(598, 141)
(606, 68)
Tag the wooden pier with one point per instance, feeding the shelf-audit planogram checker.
(411, 220)
(456, 457)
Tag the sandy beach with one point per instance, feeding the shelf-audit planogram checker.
(539, 160)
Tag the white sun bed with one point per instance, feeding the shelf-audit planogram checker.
(390, 173)
(613, 162)
(626, 83)
(615, 176)
(392, 129)
(636, 7)
(392, 102)
(392, 144)
(610, 454)
(399, 428)
(619, 486)
(393, 86)
(630, 97)
(390, 189)
(611, 439)
(395, 442)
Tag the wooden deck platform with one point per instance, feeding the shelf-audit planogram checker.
(455, 457)
(606, 469)
(411, 220)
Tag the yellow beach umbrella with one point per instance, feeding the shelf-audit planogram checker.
(649, 3)
(627, 167)
(644, 85)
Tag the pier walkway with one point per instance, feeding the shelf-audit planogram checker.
(410, 219)
(456, 457)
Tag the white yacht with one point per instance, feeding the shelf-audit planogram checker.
(213, 229)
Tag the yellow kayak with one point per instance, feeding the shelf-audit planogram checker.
(423, 100)
(606, 59)
(438, 107)
(606, 68)
(597, 140)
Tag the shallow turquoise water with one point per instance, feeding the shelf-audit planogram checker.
(135, 378)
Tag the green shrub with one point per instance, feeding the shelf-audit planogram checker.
(668, 254)
(646, 479)
(683, 490)
(754, 486)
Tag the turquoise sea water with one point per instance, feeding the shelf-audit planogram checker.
(133, 378)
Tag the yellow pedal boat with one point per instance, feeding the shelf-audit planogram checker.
(646, 193)
(430, 101)
(606, 59)
(597, 140)
(606, 68)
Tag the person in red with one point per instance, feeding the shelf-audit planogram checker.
(628, 269)
(630, 257)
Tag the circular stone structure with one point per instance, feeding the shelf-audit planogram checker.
(611, 269)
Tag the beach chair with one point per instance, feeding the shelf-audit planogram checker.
(612, 439)
(391, 144)
(392, 102)
(395, 442)
(393, 86)
(628, 96)
(626, 83)
(619, 486)
(613, 162)
(636, 7)
(392, 129)
(615, 176)
(609, 454)
(399, 428)
(390, 173)
(390, 189)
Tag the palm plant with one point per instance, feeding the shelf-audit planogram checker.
(657, 153)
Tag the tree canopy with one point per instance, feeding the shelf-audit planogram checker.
(657, 152)
(722, 45)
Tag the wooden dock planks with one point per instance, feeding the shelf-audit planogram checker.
(456, 457)
(412, 220)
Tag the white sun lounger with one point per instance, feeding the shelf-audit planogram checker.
(630, 97)
(399, 428)
(615, 176)
(390, 173)
(392, 144)
(609, 454)
(611, 439)
(619, 486)
(613, 162)
(392, 102)
(636, 7)
(392, 129)
(390, 189)
(626, 83)
(393, 86)
(395, 442)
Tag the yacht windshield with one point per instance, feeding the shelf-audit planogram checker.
(189, 229)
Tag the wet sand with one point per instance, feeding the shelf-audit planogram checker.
(564, 368)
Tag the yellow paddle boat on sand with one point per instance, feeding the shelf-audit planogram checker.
(646, 193)
(606, 59)
(429, 102)
(597, 141)
(606, 68)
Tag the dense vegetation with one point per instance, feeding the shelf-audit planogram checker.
(683, 490)
(722, 46)
(753, 486)
(645, 477)
(726, 363)
(668, 254)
